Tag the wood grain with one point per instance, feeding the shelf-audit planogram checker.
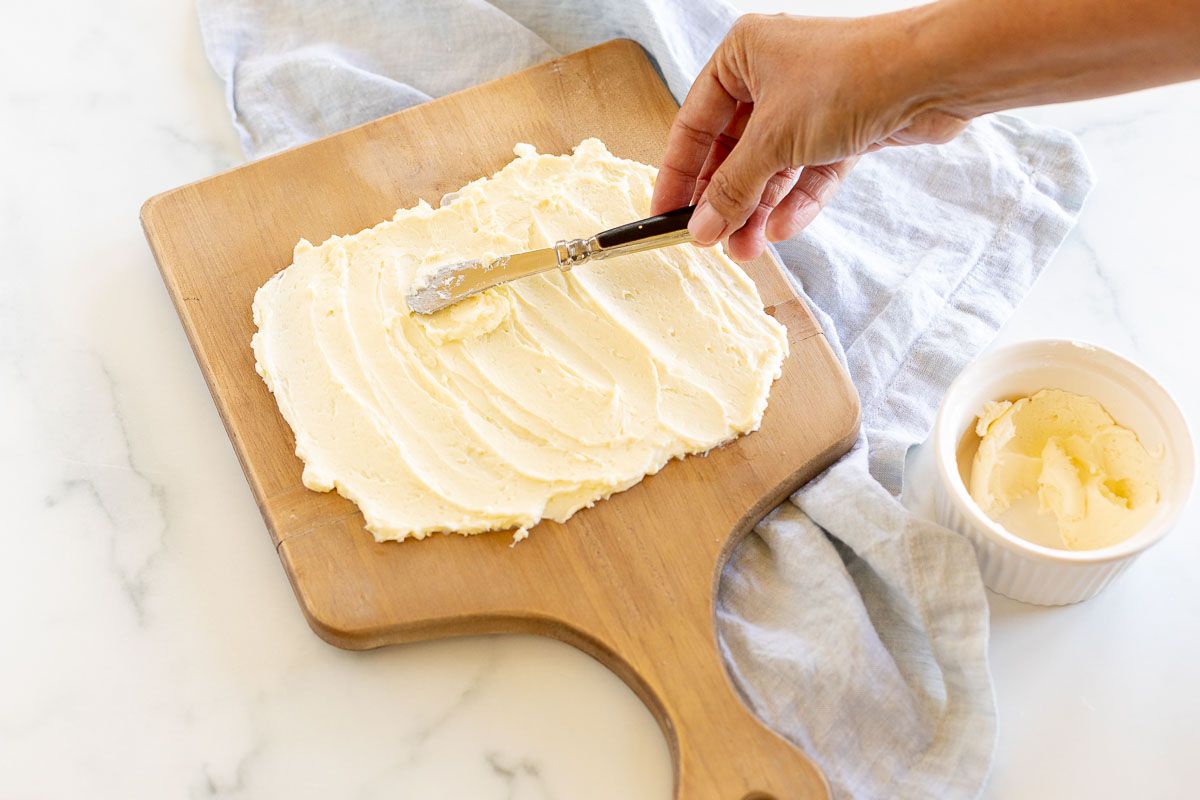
(630, 581)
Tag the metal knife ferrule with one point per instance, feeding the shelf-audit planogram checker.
(573, 252)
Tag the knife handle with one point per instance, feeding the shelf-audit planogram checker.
(645, 234)
(672, 222)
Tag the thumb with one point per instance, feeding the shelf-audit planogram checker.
(735, 188)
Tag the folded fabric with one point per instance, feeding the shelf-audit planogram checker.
(856, 629)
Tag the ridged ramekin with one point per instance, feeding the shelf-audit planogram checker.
(1011, 565)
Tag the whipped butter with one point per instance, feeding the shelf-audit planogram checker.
(1091, 475)
(531, 400)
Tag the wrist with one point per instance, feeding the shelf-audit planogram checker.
(969, 58)
(918, 69)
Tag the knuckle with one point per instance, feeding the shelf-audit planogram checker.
(826, 172)
(744, 36)
(807, 197)
(744, 23)
(724, 140)
(778, 187)
(728, 195)
(689, 130)
(752, 31)
(754, 23)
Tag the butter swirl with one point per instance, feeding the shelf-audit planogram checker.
(531, 400)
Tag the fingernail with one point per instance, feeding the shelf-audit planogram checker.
(706, 225)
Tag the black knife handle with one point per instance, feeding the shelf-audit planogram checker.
(670, 222)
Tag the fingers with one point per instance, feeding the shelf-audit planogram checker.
(750, 240)
(722, 146)
(814, 188)
(735, 188)
(705, 112)
(790, 202)
(747, 242)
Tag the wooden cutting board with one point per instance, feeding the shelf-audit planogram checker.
(630, 581)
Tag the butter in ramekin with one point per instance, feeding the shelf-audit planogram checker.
(1092, 476)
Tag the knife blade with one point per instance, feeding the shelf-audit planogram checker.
(447, 285)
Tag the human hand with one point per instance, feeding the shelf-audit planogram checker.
(779, 116)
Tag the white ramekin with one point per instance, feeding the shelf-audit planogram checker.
(1011, 565)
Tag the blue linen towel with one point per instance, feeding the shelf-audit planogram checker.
(854, 628)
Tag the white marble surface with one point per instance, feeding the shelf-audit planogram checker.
(152, 645)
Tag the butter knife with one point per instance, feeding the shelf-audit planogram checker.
(454, 282)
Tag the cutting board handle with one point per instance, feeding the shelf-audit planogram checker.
(665, 648)
(720, 750)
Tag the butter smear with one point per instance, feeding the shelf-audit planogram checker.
(530, 400)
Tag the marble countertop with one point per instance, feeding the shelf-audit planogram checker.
(153, 646)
